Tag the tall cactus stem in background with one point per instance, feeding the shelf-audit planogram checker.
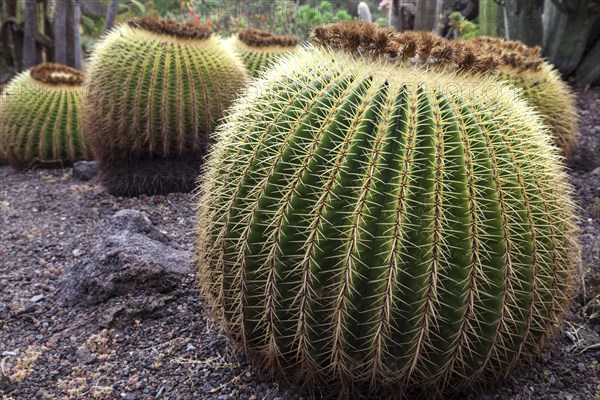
(364, 13)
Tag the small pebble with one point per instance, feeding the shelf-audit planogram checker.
(76, 252)
(36, 298)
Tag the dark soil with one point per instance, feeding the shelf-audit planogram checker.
(49, 221)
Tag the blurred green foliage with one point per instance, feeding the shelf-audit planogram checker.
(228, 16)
(461, 28)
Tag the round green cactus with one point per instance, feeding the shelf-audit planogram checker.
(40, 119)
(541, 85)
(154, 93)
(260, 50)
(368, 226)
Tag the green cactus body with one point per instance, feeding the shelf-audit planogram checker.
(368, 227)
(261, 50)
(40, 118)
(541, 86)
(155, 91)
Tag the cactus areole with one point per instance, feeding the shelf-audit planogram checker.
(377, 227)
(40, 118)
(156, 89)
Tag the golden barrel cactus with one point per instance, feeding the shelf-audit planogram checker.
(260, 50)
(40, 118)
(380, 218)
(155, 91)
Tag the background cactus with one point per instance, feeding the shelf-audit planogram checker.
(155, 91)
(40, 119)
(260, 50)
(364, 13)
(541, 84)
(370, 226)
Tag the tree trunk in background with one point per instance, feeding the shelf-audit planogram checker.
(30, 29)
(75, 39)
(425, 17)
(395, 16)
(48, 30)
(60, 32)
(402, 15)
(525, 20)
(438, 24)
(73, 36)
(569, 31)
(111, 15)
(588, 72)
(10, 44)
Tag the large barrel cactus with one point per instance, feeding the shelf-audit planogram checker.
(541, 85)
(155, 91)
(40, 119)
(260, 50)
(368, 225)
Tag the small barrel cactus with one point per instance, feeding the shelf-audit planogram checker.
(40, 118)
(260, 50)
(368, 225)
(154, 93)
(541, 85)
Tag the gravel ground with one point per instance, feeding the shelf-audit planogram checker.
(49, 221)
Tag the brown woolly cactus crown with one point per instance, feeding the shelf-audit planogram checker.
(57, 74)
(181, 30)
(409, 47)
(511, 53)
(258, 38)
